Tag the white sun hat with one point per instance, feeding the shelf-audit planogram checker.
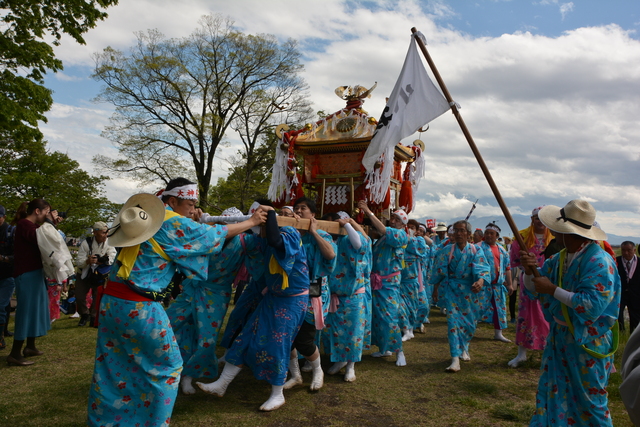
(138, 220)
(577, 217)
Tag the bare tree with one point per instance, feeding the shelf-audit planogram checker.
(176, 98)
(256, 122)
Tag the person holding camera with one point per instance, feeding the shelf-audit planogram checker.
(94, 260)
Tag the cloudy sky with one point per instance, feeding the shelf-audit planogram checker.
(548, 89)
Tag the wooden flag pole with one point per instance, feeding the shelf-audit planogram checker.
(472, 144)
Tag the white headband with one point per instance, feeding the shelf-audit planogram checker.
(493, 227)
(232, 212)
(189, 191)
(343, 215)
(422, 227)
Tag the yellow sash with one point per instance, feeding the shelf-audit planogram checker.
(274, 268)
(128, 256)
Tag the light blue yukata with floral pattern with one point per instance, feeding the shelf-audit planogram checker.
(198, 313)
(458, 270)
(344, 333)
(368, 261)
(138, 364)
(252, 292)
(426, 296)
(265, 342)
(494, 292)
(572, 386)
(388, 253)
(411, 290)
(441, 289)
(319, 267)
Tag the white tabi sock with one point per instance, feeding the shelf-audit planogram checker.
(276, 399)
(400, 359)
(350, 372)
(337, 366)
(408, 334)
(465, 356)
(219, 387)
(307, 366)
(296, 376)
(378, 354)
(455, 365)
(521, 357)
(186, 386)
(498, 336)
(317, 380)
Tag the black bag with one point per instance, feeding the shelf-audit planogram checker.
(315, 288)
(97, 277)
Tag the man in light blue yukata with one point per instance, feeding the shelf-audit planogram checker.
(264, 343)
(579, 291)
(198, 312)
(388, 254)
(463, 269)
(138, 363)
(412, 284)
(321, 259)
(441, 239)
(346, 322)
(425, 297)
(499, 283)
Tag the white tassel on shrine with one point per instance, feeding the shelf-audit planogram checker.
(416, 173)
(279, 180)
(378, 180)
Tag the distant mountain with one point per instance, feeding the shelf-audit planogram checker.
(523, 221)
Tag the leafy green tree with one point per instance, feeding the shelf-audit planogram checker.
(26, 57)
(176, 99)
(28, 171)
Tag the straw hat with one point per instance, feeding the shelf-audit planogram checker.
(441, 227)
(138, 220)
(577, 217)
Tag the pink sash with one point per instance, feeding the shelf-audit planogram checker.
(421, 288)
(376, 280)
(318, 315)
(335, 300)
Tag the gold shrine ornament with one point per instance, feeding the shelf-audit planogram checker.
(346, 125)
(280, 128)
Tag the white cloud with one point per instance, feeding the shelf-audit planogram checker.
(566, 8)
(553, 120)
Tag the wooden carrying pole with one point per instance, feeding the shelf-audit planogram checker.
(472, 144)
(331, 227)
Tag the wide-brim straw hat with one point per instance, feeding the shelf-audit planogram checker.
(139, 219)
(577, 217)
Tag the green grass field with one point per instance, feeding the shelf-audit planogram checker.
(53, 392)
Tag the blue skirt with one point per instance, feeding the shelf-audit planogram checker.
(32, 312)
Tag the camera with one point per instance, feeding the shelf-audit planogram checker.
(102, 259)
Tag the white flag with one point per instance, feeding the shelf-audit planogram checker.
(414, 102)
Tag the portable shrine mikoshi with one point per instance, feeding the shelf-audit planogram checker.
(331, 151)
